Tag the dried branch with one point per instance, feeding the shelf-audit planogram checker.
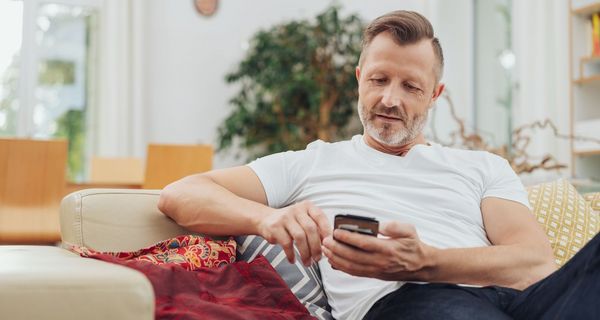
(518, 157)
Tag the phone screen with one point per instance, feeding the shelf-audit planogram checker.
(360, 224)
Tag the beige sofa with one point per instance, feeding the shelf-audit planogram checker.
(44, 282)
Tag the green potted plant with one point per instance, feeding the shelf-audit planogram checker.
(296, 84)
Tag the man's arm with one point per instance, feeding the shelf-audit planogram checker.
(233, 202)
(219, 202)
(519, 256)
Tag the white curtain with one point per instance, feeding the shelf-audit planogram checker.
(541, 44)
(119, 118)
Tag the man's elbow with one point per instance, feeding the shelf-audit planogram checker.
(176, 198)
(167, 201)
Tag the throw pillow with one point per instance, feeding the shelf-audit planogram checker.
(593, 199)
(191, 252)
(305, 282)
(568, 220)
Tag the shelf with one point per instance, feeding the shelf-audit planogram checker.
(587, 153)
(588, 9)
(585, 80)
(590, 59)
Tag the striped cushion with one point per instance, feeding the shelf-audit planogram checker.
(304, 282)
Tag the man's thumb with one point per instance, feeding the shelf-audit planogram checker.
(395, 229)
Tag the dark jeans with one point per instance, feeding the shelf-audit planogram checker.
(572, 292)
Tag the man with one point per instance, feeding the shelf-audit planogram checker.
(457, 238)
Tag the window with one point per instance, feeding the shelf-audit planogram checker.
(11, 15)
(48, 75)
(494, 63)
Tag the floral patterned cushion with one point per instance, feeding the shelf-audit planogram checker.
(191, 252)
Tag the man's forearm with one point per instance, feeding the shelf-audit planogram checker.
(199, 204)
(515, 266)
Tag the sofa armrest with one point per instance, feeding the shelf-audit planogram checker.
(115, 219)
(43, 282)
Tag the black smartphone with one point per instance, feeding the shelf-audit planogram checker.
(359, 224)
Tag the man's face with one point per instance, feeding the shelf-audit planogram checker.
(396, 88)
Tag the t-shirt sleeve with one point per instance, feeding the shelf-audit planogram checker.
(283, 175)
(504, 183)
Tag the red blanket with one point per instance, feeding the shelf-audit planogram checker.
(238, 290)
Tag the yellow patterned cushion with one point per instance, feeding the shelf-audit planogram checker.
(593, 199)
(567, 218)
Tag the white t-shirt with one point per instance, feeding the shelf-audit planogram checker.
(437, 189)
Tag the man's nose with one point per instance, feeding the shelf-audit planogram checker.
(392, 96)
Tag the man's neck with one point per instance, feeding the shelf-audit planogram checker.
(394, 150)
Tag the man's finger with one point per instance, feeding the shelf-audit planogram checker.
(312, 235)
(360, 241)
(322, 223)
(299, 239)
(287, 243)
(350, 253)
(340, 263)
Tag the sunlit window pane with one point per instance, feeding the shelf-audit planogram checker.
(494, 63)
(63, 36)
(11, 23)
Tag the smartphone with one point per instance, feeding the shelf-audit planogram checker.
(359, 224)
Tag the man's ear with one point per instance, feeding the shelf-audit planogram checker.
(357, 74)
(437, 92)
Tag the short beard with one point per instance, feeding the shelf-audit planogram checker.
(384, 135)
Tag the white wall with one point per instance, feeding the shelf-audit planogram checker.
(542, 50)
(453, 24)
(187, 57)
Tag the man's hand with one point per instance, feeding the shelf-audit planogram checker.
(400, 256)
(302, 224)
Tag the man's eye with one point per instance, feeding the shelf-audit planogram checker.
(411, 87)
(378, 80)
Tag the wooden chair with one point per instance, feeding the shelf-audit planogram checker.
(32, 181)
(117, 171)
(167, 163)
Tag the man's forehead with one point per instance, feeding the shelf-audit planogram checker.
(385, 54)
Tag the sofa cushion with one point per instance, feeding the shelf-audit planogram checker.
(304, 282)
(43, 282)
(567, 218)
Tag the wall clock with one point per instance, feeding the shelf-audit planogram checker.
(206, 7)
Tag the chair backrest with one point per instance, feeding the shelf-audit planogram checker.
(32, 172)
(116, 171)
(32, 183)
(168, 163)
